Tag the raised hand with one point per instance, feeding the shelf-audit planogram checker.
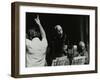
(37, 20)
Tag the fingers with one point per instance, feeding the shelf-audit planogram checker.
(37, 20)
(37, 16)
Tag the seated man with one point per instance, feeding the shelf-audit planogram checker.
(65, 50)
(83, 51)
(75, 52)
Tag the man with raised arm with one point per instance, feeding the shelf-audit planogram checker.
(36, 47)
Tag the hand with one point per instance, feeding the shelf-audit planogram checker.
(37, 20)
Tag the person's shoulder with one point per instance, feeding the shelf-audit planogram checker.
(44, 41)
(35, 39)
(28, 40)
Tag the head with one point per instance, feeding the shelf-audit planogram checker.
(74, 47)
(33, 33)
(82, 45)
(59, 29)
(65, 47)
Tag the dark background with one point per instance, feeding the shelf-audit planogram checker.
(76, 27)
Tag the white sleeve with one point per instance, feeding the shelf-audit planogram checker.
(44, 42)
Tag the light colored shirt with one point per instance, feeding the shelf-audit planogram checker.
(36, 52)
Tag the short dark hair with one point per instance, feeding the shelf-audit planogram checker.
(31, 31)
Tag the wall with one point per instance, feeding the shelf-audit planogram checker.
(5, 40)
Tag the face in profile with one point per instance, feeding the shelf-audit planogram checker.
(65, 47)
(59, 29)
(75, 48)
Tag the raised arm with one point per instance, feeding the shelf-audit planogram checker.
(43, 34)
